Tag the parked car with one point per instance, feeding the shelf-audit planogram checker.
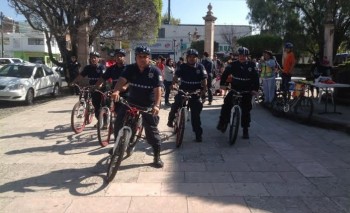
(25, 81)
(4, 61)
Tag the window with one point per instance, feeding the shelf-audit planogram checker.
(35, 41)
(161, 33)
(39, 73)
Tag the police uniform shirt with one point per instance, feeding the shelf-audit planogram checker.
(191, 76)
(114, 73)
(93, 73)
(141, 84)
(245, 76)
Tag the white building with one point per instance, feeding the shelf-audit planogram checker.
(174, 40)
(28, 44)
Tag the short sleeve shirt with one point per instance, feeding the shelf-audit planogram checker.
(142, 84)
(191, 76)
(114, 73)
(93, 73)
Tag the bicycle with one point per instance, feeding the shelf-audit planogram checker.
(181, 114)
(128, 136)
(83, 111)
(299, 104)
(106, 118)
(235, 115)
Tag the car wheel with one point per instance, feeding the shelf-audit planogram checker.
(56, 91)
(30, 97)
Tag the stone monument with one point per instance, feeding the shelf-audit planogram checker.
(209, 31)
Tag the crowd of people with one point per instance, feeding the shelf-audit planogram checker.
(143, 84)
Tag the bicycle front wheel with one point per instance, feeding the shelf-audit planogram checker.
(304, 108)
(78, 117)
(90, 114)
(117, 157)
(180, 130)
(135, 138)
(104, 127)
(234, 124)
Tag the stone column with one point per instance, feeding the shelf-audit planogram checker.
(328, 39)
(209, 31)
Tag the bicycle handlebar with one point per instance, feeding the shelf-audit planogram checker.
(134, 106)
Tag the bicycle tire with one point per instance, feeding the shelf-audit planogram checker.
(135, 138)
(117, 157)
(104, 131)
(78, 117)
(277, 106)
(234, 124)
(304, 108)
(180, 128)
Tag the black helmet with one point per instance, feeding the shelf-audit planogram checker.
(95, 54)
(192, 52)
(142, 50)
(243, 51)
(119, 51)
(288, 45)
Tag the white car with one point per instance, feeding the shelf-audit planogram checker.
(25, 81)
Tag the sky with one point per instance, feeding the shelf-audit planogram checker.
(188, 11)
(192, 11)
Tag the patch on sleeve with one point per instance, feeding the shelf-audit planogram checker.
(160, 78)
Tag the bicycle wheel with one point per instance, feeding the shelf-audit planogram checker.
(135, 138)
(180, 130)
(104, 127)
(234, 124)
(117, 156)
(78, 117)
(277, 106)
(304, 108)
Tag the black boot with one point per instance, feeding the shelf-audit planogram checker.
(157, 162)
(245, 133)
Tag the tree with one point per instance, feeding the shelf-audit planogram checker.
(258, 43)
(173, 21)
(131, 19)
(302, 20)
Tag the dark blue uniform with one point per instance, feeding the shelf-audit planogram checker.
(191, 80)
(93, 73)
(245, 78)
(141, 93)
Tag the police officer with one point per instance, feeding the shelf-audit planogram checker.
(93, 72)
(73, 72)
(145, 83)
(244, 78)
(209, 67)
(193, 77)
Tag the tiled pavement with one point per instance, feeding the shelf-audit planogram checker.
(284, 167)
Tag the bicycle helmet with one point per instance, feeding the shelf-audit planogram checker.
(288, 45)
(243, 51)
(95, 54)
(142, 50)
(119, 51)
(192, 52)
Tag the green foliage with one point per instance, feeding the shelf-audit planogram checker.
(258, 43)
(173, 21)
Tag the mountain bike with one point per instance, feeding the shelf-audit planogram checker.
(83, 111)
(181, 114)
(128, 136)
(294, 101)
(235, 115)
(106, 118)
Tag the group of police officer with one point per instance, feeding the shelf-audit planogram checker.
(140, 83)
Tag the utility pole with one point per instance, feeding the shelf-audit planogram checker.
(168, 11)
(2, 34)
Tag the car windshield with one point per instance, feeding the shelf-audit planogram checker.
(18, 71)
(16, 60)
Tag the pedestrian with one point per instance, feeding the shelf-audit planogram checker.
(193, 77)
(209, 67)
(244, 78)
(145, 82)
(288, 67)
(73, 72)
(267, 74)
(169, 71)
(93, 72)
